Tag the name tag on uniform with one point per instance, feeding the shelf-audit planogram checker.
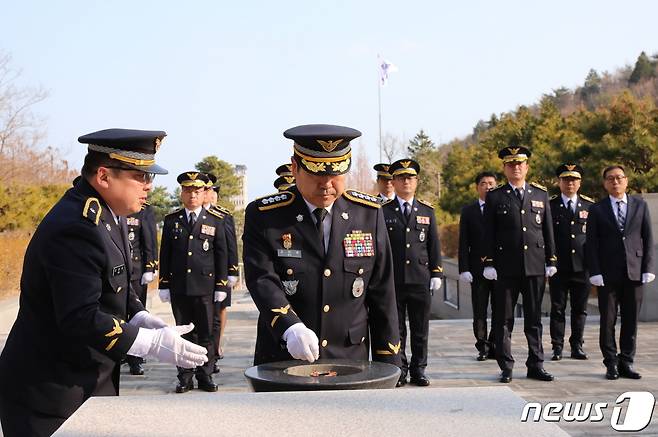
(582, 214)
(116, 271)
(538, 203)
(287, 253)
(422, 220)
(132, 221)
(208, 230)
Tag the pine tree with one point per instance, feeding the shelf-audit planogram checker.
(644, 69)
(419, 145)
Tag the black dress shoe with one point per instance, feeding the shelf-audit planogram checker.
(136, 369)
(206, 383)
(506, 376)
(577, 353)
(539, 373)
(402, 381)
(183, 387)
(626, 371)
(419, 380)
(611, 372)
(557, 354)
(482, 356)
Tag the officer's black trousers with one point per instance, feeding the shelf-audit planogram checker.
(575, 286)
(481, 291)
(18, 420)
(140, 291)
(198, 310)
(505, 298)
(416, 301)
(628, 296)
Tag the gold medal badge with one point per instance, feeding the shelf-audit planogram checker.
(287, 241)
(357, 287)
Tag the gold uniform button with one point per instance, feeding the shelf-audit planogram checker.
(289, 271)
(525, 229)
(408, 229)
(363, 339)
(573, 250)
(523, 211)
(326, 308)
(191, 237)
(408, 262)
(408, 245)
(189, 253)
(525, 247)
(118, 289)
(189, 270)
(572, 223)
(324, 343)
(573, 236)
(360, 271)
(327, 273)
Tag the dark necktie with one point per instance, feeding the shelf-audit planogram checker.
(407, 210)
(570, 210)
(192, 218)
(320, 214)
(519, 194)
(621, 218)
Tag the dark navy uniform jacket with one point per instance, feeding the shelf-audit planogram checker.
(518, 235)
(142, 236)
(570, 229)
(71, 330)
(346, 297)
(619, 255)
(231, 239)
(193, 260)
(415, 244)
(471, 240)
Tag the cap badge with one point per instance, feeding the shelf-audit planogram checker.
(289, 179)
(157, 143)
(570, 167)
(192, 176)
(329, 146)
(513, 150)
(405, 164)
(386, 167)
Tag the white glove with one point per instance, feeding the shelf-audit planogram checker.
(144, 319)
(648, 277)
(220, 296)
(302, 343)
(466, 277)
(596, 280)
(147, 278)
(550, 271)
(490, 273)
(167, 346)
(164, 295)
(435, 284)
(232, 280)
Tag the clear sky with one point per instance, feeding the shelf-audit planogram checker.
(227, 78)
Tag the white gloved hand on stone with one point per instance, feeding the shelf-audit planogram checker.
(164, 295)
(167, 346)
(144, 319)
(147, 278)
(490, 273)
(596, 280)
(302, 343)
(466, 277)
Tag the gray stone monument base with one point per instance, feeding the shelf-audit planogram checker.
(477, 411)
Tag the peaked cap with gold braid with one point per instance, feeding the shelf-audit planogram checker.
(193, 179)
(382, 170)
(131, 147)
(404, 166)
(323, 149)
(569, 171)
(514, 154)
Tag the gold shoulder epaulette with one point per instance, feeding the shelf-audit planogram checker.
(589, 199)
(147, 204)
(92, 210)
(175, 213)
(385, 202)
(540, 186)
(554, 196)
(426, 203)
(362, 198)
(498, 187)
(216, 213)
(221, 209)
(277, 200)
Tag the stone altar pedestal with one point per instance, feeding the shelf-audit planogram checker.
(464, 412)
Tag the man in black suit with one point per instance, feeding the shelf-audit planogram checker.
(414, 238)
(471, 263)
(619, 251)
(569, 210)
(193, 272)
(79, 316)
(317, 260)
(520, 253)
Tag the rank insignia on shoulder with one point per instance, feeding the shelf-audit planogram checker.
(362, 198)
(589, 199)
(92, 210)
(216, 213)
(221, 209)
(554, 196)
(426, 203)
(540, 186)
(358, 244)
(275, 200)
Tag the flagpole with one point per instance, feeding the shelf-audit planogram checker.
(379, 102)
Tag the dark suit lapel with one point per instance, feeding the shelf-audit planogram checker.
(398, 210)
(414, 212)
(631, 209)
(123, 229)
(611, 213)
(113, 229)
(307, 226)
(340, 223)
